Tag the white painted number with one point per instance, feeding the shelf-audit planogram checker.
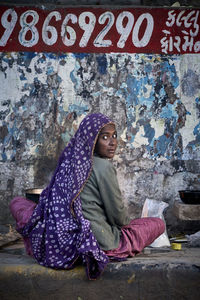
(124, 31)
(8, 25)
(148, 31)
(29, 27)
(68, 34)
(49, 33)
(87, 27)
(99, 41)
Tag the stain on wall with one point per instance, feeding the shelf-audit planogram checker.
(154, 99)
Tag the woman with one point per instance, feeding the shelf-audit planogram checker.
(80, 214)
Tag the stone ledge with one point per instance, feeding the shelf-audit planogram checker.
(186, 211)
(154, 276)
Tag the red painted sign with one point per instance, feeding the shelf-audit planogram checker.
(105, 30)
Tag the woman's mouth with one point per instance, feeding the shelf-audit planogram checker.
(111, 151)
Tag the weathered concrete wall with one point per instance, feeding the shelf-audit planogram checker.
(154, 99)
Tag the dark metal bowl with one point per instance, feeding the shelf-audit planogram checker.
(190, 197)
(33, 194)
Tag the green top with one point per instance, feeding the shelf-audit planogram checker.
(102, 204)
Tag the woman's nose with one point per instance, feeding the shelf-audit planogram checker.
(112, 141)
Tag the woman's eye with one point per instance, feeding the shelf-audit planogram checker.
(105, 137)
(114, 136)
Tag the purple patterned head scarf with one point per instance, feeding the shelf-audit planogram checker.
(58, 232)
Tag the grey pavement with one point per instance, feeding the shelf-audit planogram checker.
(155, 274)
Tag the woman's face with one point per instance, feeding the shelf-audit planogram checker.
(107, 141)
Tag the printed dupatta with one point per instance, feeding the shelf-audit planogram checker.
(58, 232)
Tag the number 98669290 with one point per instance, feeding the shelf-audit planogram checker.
(76, 29)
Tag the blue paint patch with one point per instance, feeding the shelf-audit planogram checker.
(149, 132)
(161, 145)
(96, 94)
(42, 59)
(162, 92)
(171, 71)
(22, 77)
(73, 78)
(136, 90)
(28, 55)
(25, 58)
(196, 132)
(78, 109)
(168, 112)
(144, 89)
(166, 145)
(52, 55)
(148, 68)
(4, 156)
(133, 88)
(190, 83)
(55, 92)
(80, 55)
(102, 64)
(197, 100)
(130, 117)
(26, 86)
(50, 70)
(147, 102)
(11, 132)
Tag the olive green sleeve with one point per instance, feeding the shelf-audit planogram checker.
(111, 196)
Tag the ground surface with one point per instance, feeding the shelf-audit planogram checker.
(154, 274)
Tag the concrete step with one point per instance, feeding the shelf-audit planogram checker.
(155, 274)
(186, 212)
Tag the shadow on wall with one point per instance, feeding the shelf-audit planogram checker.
(43, 171)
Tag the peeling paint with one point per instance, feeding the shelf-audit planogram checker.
(58, 85)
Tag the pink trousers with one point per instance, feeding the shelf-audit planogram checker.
(137, 235)
(134, 236)
(22, 209)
